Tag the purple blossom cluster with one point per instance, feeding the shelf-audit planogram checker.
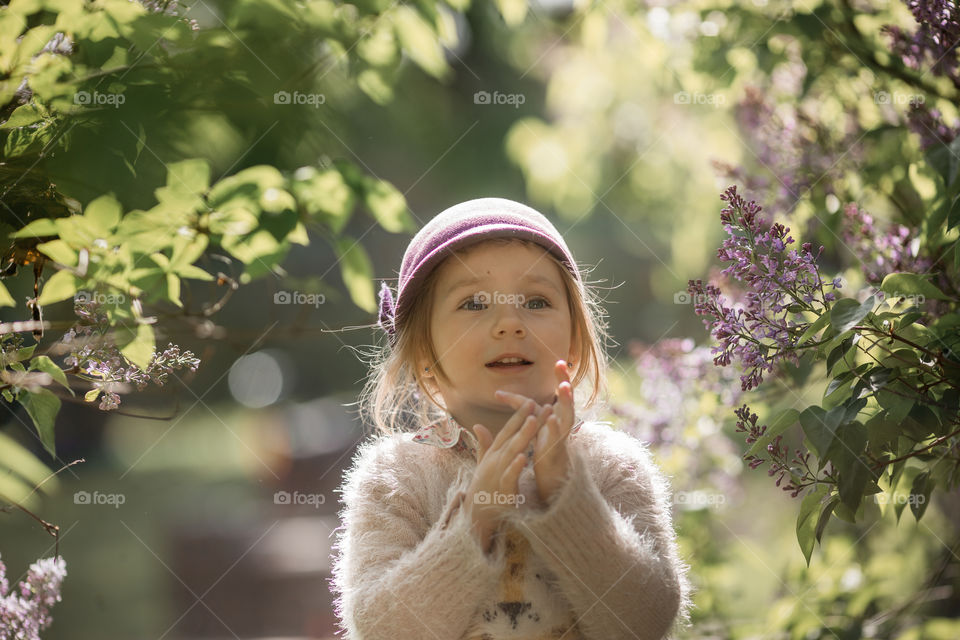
(934, 43)
(928, 124)
(668, 410)
(779, 282)
(932, 47)
(96, 355)
(168, 8)
(25, 610)
(780, 136)
(797, 470)
(674, 375)
(894, 250)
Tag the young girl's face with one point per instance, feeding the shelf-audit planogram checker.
(496, 301)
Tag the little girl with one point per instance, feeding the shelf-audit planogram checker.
(485, 509)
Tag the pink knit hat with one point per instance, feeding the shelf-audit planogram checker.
(458, 227)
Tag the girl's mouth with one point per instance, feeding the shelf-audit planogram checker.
(513, 363)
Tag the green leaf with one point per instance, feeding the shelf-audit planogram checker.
(18, 462)
(324, 194)
(25, 114)
(825, 515)
(92, 395)
(513, 11)
(908, 285)
(104, 213)
(847, 313)
(897, 406)
(59, 251)
(42, 406)
(60, 286)
(357, 272)
(6, 300)
(807, 520)
(814, 328)
(45, 364)
(419, 40)
(945, 159)
(137, 344)
(854, 471)
(838, 352)
(920, 494)
(387, 205)
(189, 176)
(37, 229)
(820, 427)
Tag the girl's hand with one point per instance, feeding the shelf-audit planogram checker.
(551, 460)
(500, 461)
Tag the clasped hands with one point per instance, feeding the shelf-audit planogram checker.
(500, 459)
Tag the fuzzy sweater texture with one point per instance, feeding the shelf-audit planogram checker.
(598, 562)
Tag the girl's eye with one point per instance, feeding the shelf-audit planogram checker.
(472, 304)
(538, 303)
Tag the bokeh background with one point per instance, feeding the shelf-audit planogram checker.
(623, 122)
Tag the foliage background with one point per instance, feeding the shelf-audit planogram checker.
(624, 122)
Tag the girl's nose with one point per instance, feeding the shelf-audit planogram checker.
(508, 321)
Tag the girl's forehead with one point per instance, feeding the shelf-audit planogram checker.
(494, 258)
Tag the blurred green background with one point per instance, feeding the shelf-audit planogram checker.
(614, 119)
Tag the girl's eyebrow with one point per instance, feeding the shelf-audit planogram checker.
(532, 277)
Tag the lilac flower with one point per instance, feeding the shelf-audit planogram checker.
(96, 355)
(929, 125)
(674, 376)
(780, 282)
(799, 473)
(879, 252)
(668, 411)
(934, 43)
(780, 137)
(25, 614)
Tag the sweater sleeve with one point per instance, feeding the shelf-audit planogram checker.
(398, 575)
(608, 537)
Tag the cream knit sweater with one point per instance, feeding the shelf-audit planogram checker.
(599, 562)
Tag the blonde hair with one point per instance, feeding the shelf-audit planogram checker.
(395, 398)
